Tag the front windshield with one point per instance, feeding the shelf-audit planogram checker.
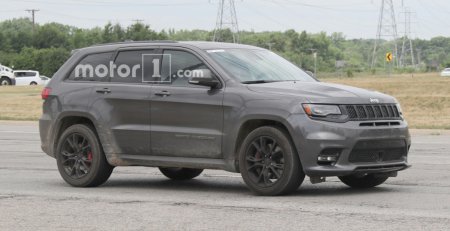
(252, 65)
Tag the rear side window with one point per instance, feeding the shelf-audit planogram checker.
(128, 64)
(94, 67)
(25, 74)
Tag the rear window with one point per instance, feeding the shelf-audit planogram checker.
(93, 67)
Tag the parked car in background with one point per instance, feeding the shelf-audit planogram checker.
(6, 76)
(27, 77)
(445, 72)
(44, 79)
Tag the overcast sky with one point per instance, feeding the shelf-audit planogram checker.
(355, 18)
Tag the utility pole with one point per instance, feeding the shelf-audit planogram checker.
(407, 13)
(314, 53)
(226, 18)
(137, 21)
(33, 11)
(387, 27)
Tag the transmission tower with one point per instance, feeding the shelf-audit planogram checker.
(407, 45)
(387, 28)
(226, 19)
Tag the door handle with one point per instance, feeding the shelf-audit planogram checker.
(103, 91)
(162, 93)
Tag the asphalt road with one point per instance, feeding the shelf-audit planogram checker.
(34, 197)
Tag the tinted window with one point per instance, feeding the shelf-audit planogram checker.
(25, 74)
(93, 67)
(128, 66)
(180, 64)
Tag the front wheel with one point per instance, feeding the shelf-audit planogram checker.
(269, 163)
(366, 181)
(180, 173)
(5, 81)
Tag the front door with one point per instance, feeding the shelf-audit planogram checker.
(186, 120)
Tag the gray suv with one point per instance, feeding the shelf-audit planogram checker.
(188, 106)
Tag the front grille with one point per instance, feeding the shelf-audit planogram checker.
(372, 112)
(373, 151)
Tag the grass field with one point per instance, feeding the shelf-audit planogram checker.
(425, 98)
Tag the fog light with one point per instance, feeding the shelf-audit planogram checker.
(329, 156)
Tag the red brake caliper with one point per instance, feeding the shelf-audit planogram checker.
(89, 155)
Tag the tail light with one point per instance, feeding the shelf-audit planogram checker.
(46, 92)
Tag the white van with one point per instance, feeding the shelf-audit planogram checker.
(27, 77)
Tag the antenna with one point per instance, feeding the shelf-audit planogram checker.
(226, 18)
(387, 27)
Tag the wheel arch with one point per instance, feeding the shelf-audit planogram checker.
(68, 119)
(251, 124)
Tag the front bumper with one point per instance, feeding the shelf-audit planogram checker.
(312, 137)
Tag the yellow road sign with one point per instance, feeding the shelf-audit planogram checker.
(389, 57)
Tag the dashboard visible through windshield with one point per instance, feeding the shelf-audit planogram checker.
(258, 66)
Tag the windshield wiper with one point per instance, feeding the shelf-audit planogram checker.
(259, 81)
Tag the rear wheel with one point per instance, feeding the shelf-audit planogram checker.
(180, 173)
(80, 158)
(5, 81)
(33, 83)
(366, 181)
(269, 163)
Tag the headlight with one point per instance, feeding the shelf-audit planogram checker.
(399, 108)
(321, 110)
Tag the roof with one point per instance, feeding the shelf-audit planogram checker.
(198, 44)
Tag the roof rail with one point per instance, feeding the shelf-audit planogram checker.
(131, 41)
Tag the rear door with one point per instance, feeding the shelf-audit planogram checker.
(124, 102)
(186, 120)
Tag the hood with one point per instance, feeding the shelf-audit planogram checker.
(318, 92)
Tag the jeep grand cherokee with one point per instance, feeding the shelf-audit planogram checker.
(188, 106)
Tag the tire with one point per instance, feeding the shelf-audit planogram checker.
(4, 81)
(273, 170)
(367, 181)
(33, 83)
(80, 158)
(180, 173)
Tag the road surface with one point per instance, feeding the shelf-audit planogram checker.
(34, 197)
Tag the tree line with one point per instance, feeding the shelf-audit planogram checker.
(47, 46)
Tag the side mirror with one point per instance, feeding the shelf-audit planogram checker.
(204, 77)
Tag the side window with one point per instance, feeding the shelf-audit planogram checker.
(19, 74)
(182, 66)
(94, 67)
(128, 66)
(30, 74)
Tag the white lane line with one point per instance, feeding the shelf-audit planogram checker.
(20, 132)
